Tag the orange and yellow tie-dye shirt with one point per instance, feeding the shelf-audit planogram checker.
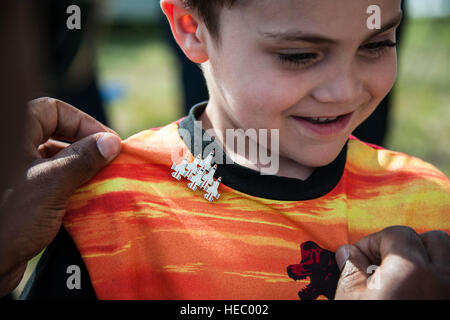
(144, 235)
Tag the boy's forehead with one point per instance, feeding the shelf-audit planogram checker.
(329, 17)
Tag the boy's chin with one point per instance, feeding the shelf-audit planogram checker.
(320, 156)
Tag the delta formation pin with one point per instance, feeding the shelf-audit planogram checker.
(200, 173)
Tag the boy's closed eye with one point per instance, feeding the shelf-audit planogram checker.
(376, 49)
(303, 59)
(372, 49)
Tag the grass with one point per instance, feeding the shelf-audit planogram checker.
(141, 60)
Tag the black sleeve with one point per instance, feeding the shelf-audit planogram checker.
(49, 279)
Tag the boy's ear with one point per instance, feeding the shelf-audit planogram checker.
(185, 29)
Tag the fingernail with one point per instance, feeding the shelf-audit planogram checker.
(342, 255)
(109, 146)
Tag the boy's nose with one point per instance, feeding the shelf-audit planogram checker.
(343, 87)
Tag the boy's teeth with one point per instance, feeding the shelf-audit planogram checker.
(323, 119)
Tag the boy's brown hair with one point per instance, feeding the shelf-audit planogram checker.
(208, 11)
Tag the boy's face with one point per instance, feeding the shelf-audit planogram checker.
(281, 61)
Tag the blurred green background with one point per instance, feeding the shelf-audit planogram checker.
(140, 59)
(421, 109)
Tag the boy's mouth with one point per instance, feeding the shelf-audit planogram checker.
(321, 120)
(325, 125)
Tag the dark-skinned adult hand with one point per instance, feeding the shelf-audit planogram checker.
(410, 266)
(31, 213)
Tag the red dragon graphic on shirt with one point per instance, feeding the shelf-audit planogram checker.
(320, 266)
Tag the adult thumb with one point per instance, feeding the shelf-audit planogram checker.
(354, 266)
(82, 160)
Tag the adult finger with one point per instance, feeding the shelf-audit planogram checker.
(76, 164)
(399, 241)
(52, 147)
(355, 270)
(437, 244)
(54, 118)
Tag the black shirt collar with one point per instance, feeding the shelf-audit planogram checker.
(251, 182)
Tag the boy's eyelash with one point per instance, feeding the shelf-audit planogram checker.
(297, 58)
(304, 59)
(375, 46)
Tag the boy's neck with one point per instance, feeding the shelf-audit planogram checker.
(213, 118)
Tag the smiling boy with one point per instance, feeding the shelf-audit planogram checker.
(310, 70)
(276, 64)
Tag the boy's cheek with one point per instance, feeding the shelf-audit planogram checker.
(279, 95)
(380, 78)
(263, 98)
